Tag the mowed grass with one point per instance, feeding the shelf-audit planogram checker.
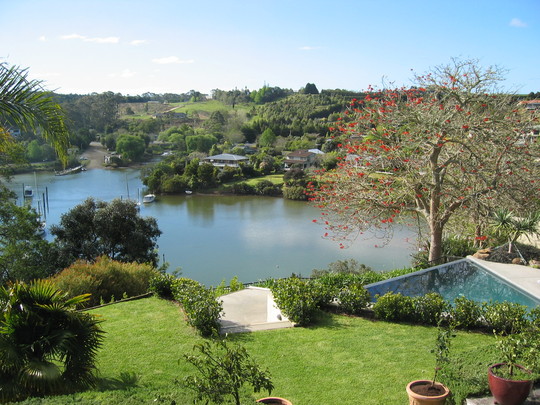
(343, 360)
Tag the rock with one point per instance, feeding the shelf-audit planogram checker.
(516, 260)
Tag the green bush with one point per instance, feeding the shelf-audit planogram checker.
(429, 308)
(162, 284)
(393, 307)
(105, 279)
(466, 313)
(353, 299)
(505, 317)
(200, 305)
(298, 299)
(294, 193)
(242, 188)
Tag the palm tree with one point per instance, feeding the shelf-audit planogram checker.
(506, 224)
(25, 105)
(46, 345)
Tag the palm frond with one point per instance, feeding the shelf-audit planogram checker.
(24, 103)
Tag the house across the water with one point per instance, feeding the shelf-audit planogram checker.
(225, 160)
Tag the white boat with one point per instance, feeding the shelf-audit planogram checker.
(28, 192)
(189, 192)
(148, 198)
(41, 229)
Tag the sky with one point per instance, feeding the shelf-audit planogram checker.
(174, 46)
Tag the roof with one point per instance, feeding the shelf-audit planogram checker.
(300, 153)
(226, 156)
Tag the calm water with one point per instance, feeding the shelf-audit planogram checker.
(460, 278)
(213, 238)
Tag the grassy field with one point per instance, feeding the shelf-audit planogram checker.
(203, 109)
(343, 360)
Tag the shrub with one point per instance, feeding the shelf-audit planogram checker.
(47, 346)
(429, 308)
(200, 305)
(393, 307)
(353, 299)
(223, 369)
(466, 313)
(505, 317)
(162, 284)
(242, 188)
(298, 299)
(104, 279)
(294, 193)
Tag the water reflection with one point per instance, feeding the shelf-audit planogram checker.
(218, 237)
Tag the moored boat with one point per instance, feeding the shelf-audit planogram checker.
(28, 192)
(148, 198)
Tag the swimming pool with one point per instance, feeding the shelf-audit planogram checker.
(451, 280)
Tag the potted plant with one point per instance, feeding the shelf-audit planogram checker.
(274, 401)
(430, 391)
(511, 380)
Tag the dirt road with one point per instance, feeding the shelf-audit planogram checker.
(96, 154)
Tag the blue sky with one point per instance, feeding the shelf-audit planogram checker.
(132, 46)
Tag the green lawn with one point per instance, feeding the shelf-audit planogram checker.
(343, 360)
(274, 178)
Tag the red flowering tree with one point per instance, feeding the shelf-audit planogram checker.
(451, 148)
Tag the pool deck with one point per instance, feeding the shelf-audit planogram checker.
(524, 277)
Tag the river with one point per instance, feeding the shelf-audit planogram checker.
(214, 238)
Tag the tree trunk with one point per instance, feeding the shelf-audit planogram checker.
(435, 246)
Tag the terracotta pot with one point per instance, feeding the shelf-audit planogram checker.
(508, 392)
(418, 399)
(274, 401)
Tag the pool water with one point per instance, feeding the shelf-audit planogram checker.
(451, 280)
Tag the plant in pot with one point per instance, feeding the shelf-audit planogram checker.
(430, 391)
(511, 380)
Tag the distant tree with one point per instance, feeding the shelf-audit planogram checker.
(34, 152)
(24, 255)
(267, 138)
(96, 228)
(310, 89)
(131, 147)
(47, 346)
(200, 143)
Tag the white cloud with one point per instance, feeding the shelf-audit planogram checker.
(126, 74)
(308, 48)
(171, 60)
(106, 40)
(516, 22)
(138, 42)
(42, 38)
(72, 36)
(98, 40)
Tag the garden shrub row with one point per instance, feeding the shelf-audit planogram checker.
(300, 299)
(200, 305)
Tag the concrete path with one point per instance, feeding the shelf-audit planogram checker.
(251, 309)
